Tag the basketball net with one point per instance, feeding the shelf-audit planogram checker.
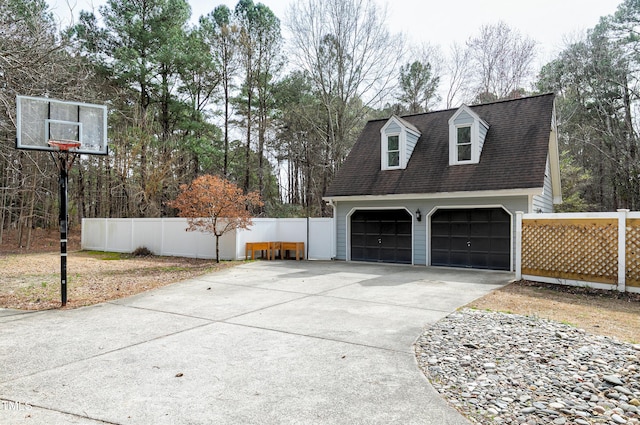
(63, 148)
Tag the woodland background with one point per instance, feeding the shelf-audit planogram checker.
(231, 97)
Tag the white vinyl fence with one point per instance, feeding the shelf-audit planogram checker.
(168, 236)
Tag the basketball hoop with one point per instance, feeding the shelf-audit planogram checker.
(66, 130)
(64, 145)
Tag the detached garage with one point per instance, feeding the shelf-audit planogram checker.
(442, 188)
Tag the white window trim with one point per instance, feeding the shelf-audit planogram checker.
(401, 150)
(453, 144)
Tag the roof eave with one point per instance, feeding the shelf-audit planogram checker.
(438, 195)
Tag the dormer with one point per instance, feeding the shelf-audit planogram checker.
(398, 137)
(467, 132)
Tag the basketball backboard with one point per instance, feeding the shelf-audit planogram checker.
(41, 120)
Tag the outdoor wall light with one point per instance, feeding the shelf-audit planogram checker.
(418, 215)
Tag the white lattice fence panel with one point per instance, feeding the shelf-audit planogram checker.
(577, 249)
(633, 253)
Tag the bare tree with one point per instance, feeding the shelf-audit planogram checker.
(352, 60)
(503, 58)
(459, 73)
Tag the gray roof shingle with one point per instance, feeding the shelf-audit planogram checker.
(513, 156)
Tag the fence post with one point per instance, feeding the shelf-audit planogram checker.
(622, 249)
(132, 242)
(163, 224)
(106, 234)
(519, 215)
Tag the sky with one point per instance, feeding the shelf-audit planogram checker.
(442, 22)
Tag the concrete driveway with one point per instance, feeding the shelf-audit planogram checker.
(263, 343)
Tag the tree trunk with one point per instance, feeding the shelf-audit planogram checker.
(247, 156)
(217, 248)
(225, 168)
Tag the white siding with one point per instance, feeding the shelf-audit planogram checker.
(393, 128)
(544, 203)
(412, 139)
(463, 118)
(483, 134)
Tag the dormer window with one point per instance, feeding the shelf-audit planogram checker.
(467, 132)
(464, 143)
(393, 151)
(397, 140)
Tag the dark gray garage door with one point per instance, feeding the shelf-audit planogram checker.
(477, 238)
(381, 236)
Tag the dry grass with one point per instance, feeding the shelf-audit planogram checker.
(596, 311)
(32, 281)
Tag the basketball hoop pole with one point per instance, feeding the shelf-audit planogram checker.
(64, 165)
(63, 182)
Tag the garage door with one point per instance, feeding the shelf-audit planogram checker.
(477, 238)
(381, 236)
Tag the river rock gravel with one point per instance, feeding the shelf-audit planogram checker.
(499, 368)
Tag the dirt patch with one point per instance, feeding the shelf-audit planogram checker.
(32, 281)
(597, 311)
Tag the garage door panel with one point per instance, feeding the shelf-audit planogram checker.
(403, 240)
(500, 244)
(404, 256)
(387, 228)
(382, 236)
(480, 244)
(459, 258)
(479, 237)
(440, 258)
(458, 243)
(498, 261)
(372, 227)
(357, 253)
(357, 226)
(498, 229)
(459, 228)
(480, 216)
(370, 253)
(387, 254)
(440, 229)
(480, 229)
(371, 240)
(459, 216)
(479, 259)
(404, 228)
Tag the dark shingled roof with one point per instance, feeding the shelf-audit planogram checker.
(514, 154)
